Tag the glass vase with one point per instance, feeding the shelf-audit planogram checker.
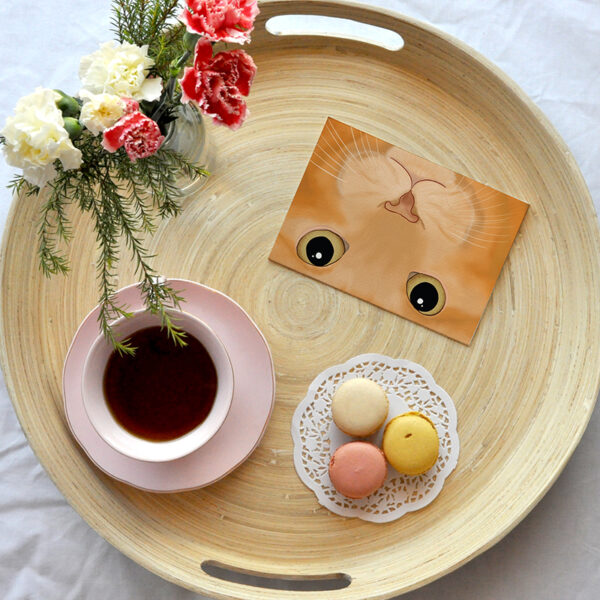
(187, 135)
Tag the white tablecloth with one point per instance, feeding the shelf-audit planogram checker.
(552, 50)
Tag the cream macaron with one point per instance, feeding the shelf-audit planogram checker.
(359, 407)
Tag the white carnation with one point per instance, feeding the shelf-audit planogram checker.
(100, 111)
(35, 137)
(120, 69)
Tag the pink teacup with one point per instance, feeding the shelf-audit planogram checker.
(117, 436)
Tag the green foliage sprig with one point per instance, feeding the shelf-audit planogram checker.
(124, 199)
(151, 22)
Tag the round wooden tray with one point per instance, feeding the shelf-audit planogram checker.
(524, 389)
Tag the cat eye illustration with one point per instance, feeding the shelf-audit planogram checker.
(321, 247)
(426, 294)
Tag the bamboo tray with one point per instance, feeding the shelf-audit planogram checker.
(524, 389)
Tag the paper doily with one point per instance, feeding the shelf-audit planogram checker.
(409, 386)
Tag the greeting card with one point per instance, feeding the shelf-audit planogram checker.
(398, 231)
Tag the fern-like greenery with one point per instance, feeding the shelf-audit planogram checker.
(125, 199)
(151, 22)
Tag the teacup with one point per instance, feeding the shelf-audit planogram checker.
(113, 433)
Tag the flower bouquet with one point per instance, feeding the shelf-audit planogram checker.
(105, 149)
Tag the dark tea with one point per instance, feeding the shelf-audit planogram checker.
(164, 390)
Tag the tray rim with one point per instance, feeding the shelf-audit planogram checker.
(289, 7)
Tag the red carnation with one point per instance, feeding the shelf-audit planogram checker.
(218, 83)
(138, 133)
(131, 105)
(221, 20)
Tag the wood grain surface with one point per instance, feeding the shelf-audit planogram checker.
(524, 389)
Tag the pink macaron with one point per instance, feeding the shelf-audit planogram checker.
(357, 469)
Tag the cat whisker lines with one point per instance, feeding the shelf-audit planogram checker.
(361, 138)
(333, 154)
(369, 162)
(318, 160)
(488, 235)
(484, 226)
(471, 206)
(361, 165)
(364, 154)
(498, 233)
(342, 150)
(464, 239)
(325, 170)
(483, 200)
(505, 219)
(365, 151)
(345, 152)
(482, 219)
(336, 150)
(365, 141)
(472, 203)
(480, 206)
(361, 154)
(370, 150)
(489, 238)
(354, 140)
(324, 155)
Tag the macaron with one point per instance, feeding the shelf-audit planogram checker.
(411, 443)
(359, 407)
(357, 469)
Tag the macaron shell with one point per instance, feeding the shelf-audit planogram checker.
(359, 407)
(357, 469)
(411, 443)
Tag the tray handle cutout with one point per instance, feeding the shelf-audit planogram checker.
(295, 583)
(335, 27)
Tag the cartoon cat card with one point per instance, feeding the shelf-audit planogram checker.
(398, 231)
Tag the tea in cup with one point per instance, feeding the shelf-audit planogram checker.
(166, 400)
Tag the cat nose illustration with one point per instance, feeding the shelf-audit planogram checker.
(403, 207)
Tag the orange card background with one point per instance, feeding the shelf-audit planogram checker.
(392, 215)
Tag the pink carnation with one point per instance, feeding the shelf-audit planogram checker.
(218, 83)
(138, 133)
(221, 20)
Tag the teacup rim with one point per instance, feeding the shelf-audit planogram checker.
(174, 456)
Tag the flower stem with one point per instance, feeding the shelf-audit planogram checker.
(167, 97)
(182, 60)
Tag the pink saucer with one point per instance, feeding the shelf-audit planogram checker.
(251, 407)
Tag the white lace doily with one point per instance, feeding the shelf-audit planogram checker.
(409, 386)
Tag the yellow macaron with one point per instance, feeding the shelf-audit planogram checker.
(411, 443)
